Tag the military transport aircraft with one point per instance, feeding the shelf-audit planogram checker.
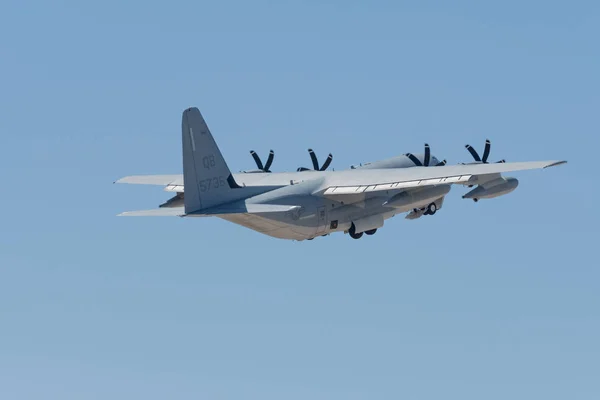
(315, 202)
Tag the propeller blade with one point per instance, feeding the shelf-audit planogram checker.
(313, 157)
(486, 151)
(443, 162)
(257, 160)
(303, 169)
(414, 159)
(501, 161)
(427, 155)
(269, 161)
(473, 152)
(327, 162)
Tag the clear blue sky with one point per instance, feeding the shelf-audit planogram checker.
(494, 300)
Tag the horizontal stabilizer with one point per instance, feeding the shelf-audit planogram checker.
(234, 208)
(159, 212)
(240, 207)
(151, 179)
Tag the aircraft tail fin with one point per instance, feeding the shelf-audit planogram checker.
(207, 179)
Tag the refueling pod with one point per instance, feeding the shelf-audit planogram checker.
(495, 188)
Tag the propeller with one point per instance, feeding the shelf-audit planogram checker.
(486, 153)
(259, 163)
(315, 162)
(426, 158)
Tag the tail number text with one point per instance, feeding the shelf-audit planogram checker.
(209, 184)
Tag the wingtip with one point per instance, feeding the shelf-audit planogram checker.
(126, 214)
(556, 163)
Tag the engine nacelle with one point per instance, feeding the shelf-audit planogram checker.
(495, 188)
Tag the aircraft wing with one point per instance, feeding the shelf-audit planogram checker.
(381, 180)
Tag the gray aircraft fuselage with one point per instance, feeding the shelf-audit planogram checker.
(318, 215)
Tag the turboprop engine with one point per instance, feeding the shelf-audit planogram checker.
(495, 188)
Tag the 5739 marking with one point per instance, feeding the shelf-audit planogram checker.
(213, 183)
